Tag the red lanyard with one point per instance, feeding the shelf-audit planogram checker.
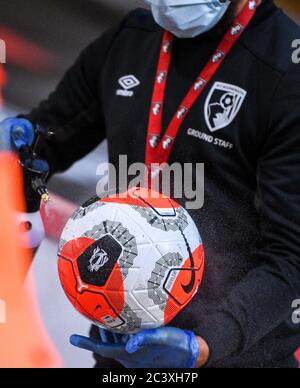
(158, 149)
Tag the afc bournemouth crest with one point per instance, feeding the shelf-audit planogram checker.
(222, 105)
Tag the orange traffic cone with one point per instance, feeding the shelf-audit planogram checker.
(23, 338)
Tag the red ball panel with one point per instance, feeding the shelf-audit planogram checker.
(74, 248)
(96, 303)
(101, 302)
(143, 198)
(186, 284)
(67, 279)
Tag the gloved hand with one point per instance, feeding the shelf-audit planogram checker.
(159, 348)
(15, 133)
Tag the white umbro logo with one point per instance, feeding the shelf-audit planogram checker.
(127, 82)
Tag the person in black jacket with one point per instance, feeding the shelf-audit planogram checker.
(245, 128)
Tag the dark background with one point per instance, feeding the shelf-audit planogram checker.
(45, 36)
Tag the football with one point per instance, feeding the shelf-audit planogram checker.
(132, 261)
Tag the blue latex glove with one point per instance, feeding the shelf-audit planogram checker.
(159, 348)
(15, 133)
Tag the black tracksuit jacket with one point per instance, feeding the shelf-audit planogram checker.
(250, 222)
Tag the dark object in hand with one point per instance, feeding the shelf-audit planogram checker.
(36, 171)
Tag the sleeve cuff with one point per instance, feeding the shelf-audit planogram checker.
(222, 334)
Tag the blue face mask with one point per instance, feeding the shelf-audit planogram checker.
(188, 18)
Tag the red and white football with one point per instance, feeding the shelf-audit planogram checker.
(132, 261)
